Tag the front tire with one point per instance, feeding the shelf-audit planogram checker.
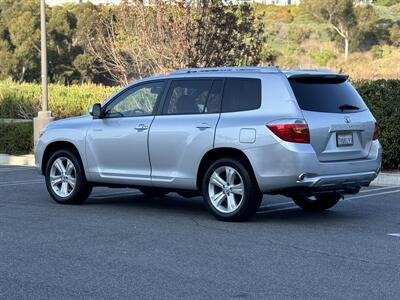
(65, 178)
(230, 191)
(317, 203)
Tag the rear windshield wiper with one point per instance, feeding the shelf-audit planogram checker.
(348, 106)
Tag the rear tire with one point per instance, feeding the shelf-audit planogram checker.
(317, 203)
(65, 178)
(230, 191)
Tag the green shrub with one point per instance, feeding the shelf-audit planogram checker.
(298, 34)
(382, 97)
(22, 100)
(322, 57)
(16, 137)
(387, 2)
(377, 52)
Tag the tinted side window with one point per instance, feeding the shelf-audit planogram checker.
(241, 94)
(187, 96)
(333, 95)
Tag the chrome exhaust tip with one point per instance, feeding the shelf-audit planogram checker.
(301, 177)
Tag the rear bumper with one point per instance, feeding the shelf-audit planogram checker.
(280, 166)
(337, 180)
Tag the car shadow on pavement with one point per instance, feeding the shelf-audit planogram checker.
(297, 215)
(171, 202)
(194, 207)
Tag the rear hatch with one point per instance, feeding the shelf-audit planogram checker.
(341, 126)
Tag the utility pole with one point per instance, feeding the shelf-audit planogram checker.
(44, 116)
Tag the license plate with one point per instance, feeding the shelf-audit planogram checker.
(344, 139)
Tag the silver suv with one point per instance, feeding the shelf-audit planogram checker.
(230, 134)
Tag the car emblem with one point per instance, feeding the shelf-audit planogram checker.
(347, 119)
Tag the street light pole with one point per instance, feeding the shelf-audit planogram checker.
(44, 116)
(43, 55)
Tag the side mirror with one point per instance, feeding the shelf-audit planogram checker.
(95, 110)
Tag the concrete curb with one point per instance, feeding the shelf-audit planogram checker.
(384, 178)
(17, 160)
(15, 121)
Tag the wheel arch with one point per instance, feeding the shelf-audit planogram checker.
(55, 146)
(223, 152)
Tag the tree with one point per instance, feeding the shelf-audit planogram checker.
(62, 50)
(369, 31)
(20, 31)
(7, 61)
(132, 41)
(84, 63)
(395, 35)
(339, 14)
(20, 41)
(221, 35)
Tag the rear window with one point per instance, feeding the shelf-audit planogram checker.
(333, 95)
(241, 94)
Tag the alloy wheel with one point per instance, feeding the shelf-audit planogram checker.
(63, 177)
(226, 189)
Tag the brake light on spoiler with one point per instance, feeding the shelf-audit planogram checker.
(294, 131)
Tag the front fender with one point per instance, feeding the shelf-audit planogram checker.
(72, 135)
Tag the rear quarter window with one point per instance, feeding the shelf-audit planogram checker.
(241, 94)
(332, 95)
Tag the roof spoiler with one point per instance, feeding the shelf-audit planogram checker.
(343, 77)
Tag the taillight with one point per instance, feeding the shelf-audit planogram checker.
(376, 132)
(291, 132)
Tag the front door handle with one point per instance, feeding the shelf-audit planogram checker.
(141, 127)
(203, 126)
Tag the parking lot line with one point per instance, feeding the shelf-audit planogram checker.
(12, 169)
(377, 189)
(394, 234)
(25, 182)
(375, 194)
(278, 204)
(261, 211)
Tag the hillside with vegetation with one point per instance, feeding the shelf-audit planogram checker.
(295, 38)
(112, 45)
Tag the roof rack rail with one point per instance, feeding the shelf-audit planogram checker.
(326, 70)
(226, 69)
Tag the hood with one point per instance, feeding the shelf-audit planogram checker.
(71, 122)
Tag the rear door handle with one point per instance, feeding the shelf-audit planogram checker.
(203, 126)
(141, 127)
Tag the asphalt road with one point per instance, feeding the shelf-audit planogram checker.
(121, 244)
